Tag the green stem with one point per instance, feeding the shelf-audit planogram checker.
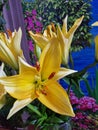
(69, 88)
(83, 71)
(90, 66)
(34, 109)
(71, 61)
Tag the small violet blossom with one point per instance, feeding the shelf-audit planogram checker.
(33, 23)
(85, 112)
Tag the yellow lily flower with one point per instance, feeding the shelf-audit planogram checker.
(40, 82)
(64, 36)
(10, 47)
(2, 89)
(96, 47)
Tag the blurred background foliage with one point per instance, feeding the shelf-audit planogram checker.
(56, 10)
(2, 21)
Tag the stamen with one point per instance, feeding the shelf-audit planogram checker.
(51, 75)
(9, 33)
(43, 92)
(37, 66)
(36, 93)
(53, 27)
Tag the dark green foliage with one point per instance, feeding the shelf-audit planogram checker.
(46, 119)
(56, 10)
(15, 121)
(93, 90)
(2, 21)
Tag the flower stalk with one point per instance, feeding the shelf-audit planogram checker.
(34, 109)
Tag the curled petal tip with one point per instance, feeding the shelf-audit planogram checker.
(95, 24)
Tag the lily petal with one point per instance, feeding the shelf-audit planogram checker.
(74, 27)
(56, 99)
(2, 89)
(39, 39)
(95, 24)
(2, 73)
(18, 105)
(10, 47)
(64, 28)
(62, 73)
(20, 86)
(16, 42)
(50, 32)
(7, 56)
(64, 43)
(25, 67)
(3, 38)
(50, 59)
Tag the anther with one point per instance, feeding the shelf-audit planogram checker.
(51, 75)
(43, 92)
(9, 33)
(37, 66)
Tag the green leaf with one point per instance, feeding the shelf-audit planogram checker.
(56, 120)
(34, 109)
(89, 89)
(96, 88)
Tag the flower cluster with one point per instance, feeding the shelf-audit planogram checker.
(87, 103)
(84, 122)
(73, 98)
(33, 22)
(85, 112)
(63, 35)
(39, 81)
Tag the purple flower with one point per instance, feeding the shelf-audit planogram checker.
(83, 126)
(38, 30)
(34, 12)
(31, 47)
(28, 28)
(95, 107)
(27, 13)
(30, 24)
(86, 103)
(38, 23)
(78, 116)
(85, 117)
(33, 22)
(26, 20)
(74, 100)
(33, 18)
